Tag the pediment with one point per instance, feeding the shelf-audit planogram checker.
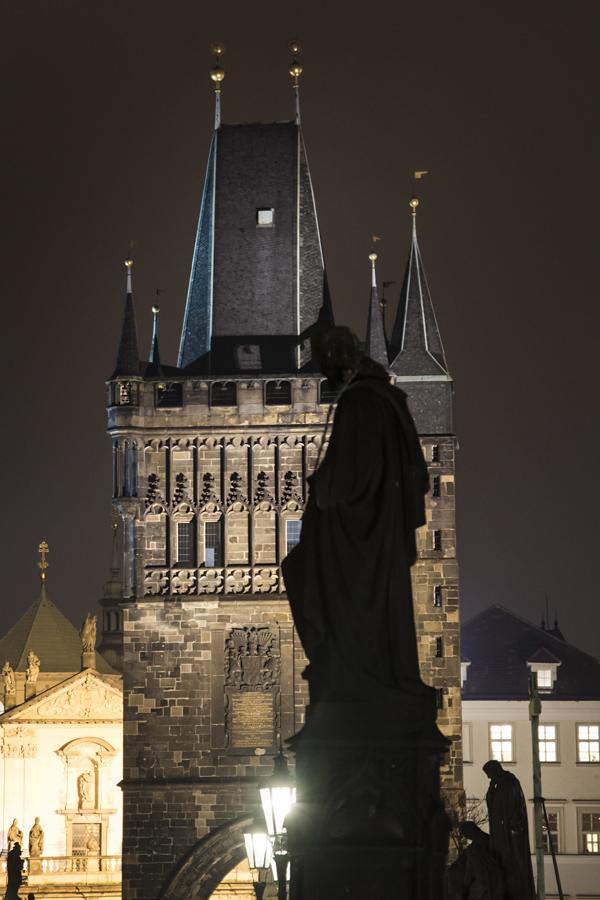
(86, 697)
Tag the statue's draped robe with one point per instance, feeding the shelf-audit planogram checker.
(476, 874)
(509, 835)
(348, 580)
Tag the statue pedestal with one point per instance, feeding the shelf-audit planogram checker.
(88, 659)
(369, 823)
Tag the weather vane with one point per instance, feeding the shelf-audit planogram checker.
(295, 71)
(43, 550)
(217, 74)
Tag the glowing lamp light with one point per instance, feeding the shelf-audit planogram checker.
(259, 851)
(277, 796)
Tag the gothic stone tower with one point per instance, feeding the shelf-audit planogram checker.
(210, 465)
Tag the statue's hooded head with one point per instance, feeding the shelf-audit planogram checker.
(493, 769)
(338, 354)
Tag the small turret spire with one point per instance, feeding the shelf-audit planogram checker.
(43, 550)
(128, 357)
(154, 367)
(375, 344)
(217, 74)
(296, 71)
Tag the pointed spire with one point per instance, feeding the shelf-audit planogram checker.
(416, 342)
(43, 550)
(154, 367)
(296, 71)
(217, 74)
(375, 344)
(128, 357)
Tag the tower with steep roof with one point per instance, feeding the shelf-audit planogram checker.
(210, 465)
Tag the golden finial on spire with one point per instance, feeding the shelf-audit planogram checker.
(373, 257)
(43, 550)
(413, 203)
(155, 309)
(128, 263)
(217, 73)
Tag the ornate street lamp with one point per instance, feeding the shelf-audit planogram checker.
(277, 797)
(259, 851)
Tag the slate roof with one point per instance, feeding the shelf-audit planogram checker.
(44, 629)
(499, 645)
(247, 280)
(416, 344)
(128, 357)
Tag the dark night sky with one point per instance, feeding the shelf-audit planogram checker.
(106, 113)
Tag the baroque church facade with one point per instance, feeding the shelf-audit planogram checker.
(210, 461)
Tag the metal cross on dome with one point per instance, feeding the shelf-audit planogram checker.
(43, 550)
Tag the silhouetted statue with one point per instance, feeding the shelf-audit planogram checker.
(14, 835)
(33, 667)
(509, 831)
(9, 678)
(36, 839)
(476, 874)
(348, 579)
(88, 633)
(14, 872)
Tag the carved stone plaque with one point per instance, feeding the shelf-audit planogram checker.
(251, 721)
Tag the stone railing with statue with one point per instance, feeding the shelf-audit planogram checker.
(44, 868)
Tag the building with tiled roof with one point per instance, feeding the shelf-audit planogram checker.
(61, 733)
(499, 650)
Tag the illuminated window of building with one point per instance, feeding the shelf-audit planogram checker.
(436, 489)
(213, 544)
(293, 529)
(501, 743)
(548, 743)
(552, 836)
(544, 679)
(588, 743)
(467, 742)
(185, 544)
(590, 832)
(265, 217)
(437, 539)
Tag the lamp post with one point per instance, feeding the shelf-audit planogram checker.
(260, 853)
(277, 797)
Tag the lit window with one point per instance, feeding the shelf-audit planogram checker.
(501, 742)
(547, 743)
(588, 743)
(467, 742)
(213, 544)
(544, 679)
(293, 528)
(552, 837)
(437, 595)
(185, 543)
(265, 217)
(590, 832)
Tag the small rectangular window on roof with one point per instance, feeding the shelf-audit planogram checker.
(265, 216)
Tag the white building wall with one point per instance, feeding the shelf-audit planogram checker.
(570, 787)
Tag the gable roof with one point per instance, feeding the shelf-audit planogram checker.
(499, 644)
(44, 629)
(85, 695)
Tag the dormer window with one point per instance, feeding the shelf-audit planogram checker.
(265, 217)
(545, 665)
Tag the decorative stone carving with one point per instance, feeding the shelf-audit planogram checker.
(88, 698)
(266, 581)
(14, 835)
(250, 660)
(238, 581)
(184, 581)
(33, 667)
(9, 678)
(208, 488)
(263, 491)
(290, 489)
(85, 783)
(19, 742)
(156, 581)
(236, 489)
(36, 839)
(153, 490)
(210, 581)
